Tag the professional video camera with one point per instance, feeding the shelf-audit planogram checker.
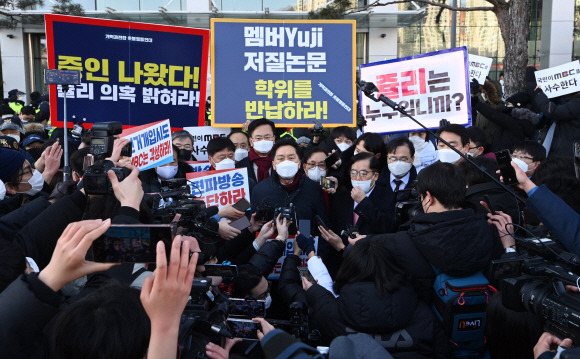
(297, 325)
(203, 320)
(407, 204)
(96, 180)
(536, 284)
(318, 129)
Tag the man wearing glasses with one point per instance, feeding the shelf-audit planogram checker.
(259, 162)
(528, 155)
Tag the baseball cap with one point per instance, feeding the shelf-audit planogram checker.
(32, 138)
(9, 143)
(12, 123)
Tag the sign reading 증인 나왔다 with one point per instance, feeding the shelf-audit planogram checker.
(289, 71)
(131, 72)
(430, 87)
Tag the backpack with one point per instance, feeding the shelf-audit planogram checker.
(460, 303)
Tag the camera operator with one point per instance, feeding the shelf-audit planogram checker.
(370, 286)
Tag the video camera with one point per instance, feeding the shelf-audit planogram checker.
(536, 284)
(407, 204)
(96, 180)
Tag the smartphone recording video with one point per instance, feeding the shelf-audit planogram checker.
(132, 243)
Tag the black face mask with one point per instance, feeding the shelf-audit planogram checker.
(35, 152)
(184, 155)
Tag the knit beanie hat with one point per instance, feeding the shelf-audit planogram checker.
(10, 163)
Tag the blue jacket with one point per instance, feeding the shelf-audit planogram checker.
(560, 218)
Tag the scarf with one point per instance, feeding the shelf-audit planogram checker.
(263, 163)
(294, 185)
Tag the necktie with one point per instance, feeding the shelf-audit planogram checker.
(398, 184)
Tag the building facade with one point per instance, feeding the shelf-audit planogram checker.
(384, 32)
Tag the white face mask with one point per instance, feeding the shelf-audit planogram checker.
(225, 164)
(240, 154)
(418, 143)
(166, 172)
(16, 137)
(263, 146)
(2, 190)
(268, 301)
(448, 156)
(315, 173)
(364, 185)
(521, 164)
(287, 169)
(343, 146)
(469, 154)
(32, 264)
(36, 182)
(399, 168)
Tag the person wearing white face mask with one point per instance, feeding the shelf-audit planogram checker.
(367, 205)
(456, 136)
(18, 175)
(151, 179)
(400, 157)
(12, 127)
(288, 185)
(242, 143)
(343, 137)
(259, 162)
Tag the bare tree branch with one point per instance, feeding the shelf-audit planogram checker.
(428, 2)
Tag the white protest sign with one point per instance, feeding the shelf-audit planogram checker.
(430, 86)
(220, 188)
(479, 67)
(559, 80)
(288, 250)
(199, 166)
(202, 135)
(151, 144)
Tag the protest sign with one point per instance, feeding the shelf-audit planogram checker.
(430, 86)
(199, 166)
(288, 250)
(202, 135)
(289, 71)
(479, 68)
(559, 80)
(136, 72)
(221, 187)
(151, 144)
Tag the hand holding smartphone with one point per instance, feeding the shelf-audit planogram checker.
(508, 173)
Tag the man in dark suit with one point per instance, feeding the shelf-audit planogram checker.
(259, 162)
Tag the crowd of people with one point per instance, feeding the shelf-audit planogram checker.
(386, 215)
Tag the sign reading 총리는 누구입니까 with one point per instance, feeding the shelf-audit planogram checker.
(430, 87)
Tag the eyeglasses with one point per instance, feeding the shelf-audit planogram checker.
(522, 157)
(322, 165)
(362, 173)
(395, 159)
(265, 294)
(260, 138)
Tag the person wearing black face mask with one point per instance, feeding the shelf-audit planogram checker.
(32, 143)
(184, 142)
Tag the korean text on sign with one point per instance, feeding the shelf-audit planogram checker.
(220, 188)
(559, 80)
(151, 143)
(430, 87)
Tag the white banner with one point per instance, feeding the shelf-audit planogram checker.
(220, 188)
(431, 87)
(559, 80)
(479, 67)
(151, 144)
(202, 135)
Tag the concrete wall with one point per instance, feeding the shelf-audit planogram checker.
(382, 48)
(14, 60)
(557, 32)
